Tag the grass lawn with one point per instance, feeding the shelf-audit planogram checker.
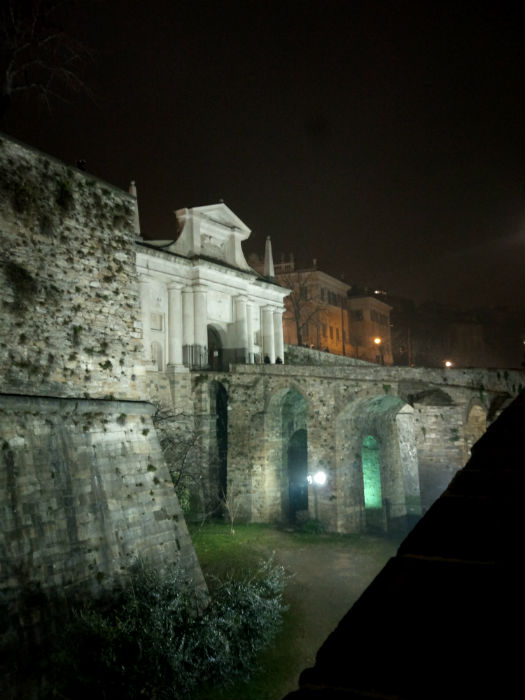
(222, 554)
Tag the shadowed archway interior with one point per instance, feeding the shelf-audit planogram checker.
(298, 472)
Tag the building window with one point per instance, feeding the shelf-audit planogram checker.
(337, 333)
(378, 318)
(331, 333)
(334, 299)
(303, 293)
(323, 328)
(356, 315)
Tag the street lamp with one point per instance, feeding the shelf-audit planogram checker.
(448, 363)
(379, 345)
(316, 480)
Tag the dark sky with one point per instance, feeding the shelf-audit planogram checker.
(385, 139)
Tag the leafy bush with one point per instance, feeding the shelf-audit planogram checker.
(153, 642)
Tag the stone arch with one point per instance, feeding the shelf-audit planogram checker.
(475, 424)
(384, 424)
(157, 355)
(431, 396)
(287, 444)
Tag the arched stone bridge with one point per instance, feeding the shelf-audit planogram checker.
(389, 439)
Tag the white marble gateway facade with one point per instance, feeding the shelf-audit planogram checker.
(203, 306)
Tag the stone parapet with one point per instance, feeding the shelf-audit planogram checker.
(411, 380)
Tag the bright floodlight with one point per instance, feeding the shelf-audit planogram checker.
(448, 363)
(377, 341)
(320, 478)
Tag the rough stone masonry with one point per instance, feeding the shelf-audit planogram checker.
(84, 489)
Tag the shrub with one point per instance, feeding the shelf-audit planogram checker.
(153, 642)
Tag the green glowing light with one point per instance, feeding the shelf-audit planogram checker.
(371, 473)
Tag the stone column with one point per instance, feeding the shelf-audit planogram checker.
(241, 335)
(188, 326)
(268, 333)
(144, 307)
(278, 334)
(174, 324)
(249, 334)
(200, 358)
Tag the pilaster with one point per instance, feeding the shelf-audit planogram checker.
(278, 334)
(268, 333)
(174, 324)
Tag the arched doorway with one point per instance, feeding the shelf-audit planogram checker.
(372, 491)
(377, 473)
(286, 453)
(297, 458)
(214, 349)
(371, 473)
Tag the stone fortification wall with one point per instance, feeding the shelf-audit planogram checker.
(68, 292)
(84, 494)
(296, 355)
(84, 488)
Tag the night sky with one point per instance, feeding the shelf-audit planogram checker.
(385, 139)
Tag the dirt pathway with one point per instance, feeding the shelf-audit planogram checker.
(326, 582)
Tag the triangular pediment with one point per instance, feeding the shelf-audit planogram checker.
(212, 231)
(222, 215)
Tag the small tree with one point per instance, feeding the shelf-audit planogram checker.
(182, 448)
(231, 502)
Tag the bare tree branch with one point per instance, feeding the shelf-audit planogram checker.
(231, 501)
(181, 444)
(37, 54)
(302, 306)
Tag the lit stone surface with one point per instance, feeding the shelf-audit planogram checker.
(85, 489)
(226, 312)
(84, 494)
(67, 281)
